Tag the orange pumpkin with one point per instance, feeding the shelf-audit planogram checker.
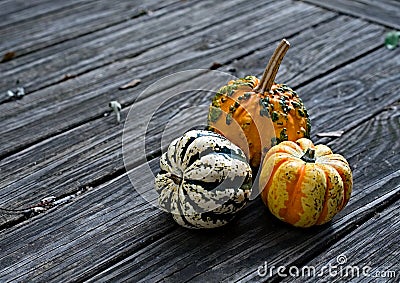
(303, 184)
(257, 114)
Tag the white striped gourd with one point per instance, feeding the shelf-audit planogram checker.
(204, 180)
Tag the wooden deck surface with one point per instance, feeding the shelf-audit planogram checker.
(60, 139)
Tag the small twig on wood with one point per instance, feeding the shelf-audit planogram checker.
(131, 84)
(335, 134)
(44, 205)
(116, 107)
(68, 76)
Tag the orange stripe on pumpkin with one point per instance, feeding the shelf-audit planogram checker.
(293, 206)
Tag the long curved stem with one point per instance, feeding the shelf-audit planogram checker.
(268, 77)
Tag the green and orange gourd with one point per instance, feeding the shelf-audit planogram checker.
(257, 114)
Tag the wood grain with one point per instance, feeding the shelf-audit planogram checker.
(107, 207)
(385, 12)
(58, 108)
(331, 44)
(12, 11)
(127, 39)
(51, 28)
(373, 244)
(97, 145)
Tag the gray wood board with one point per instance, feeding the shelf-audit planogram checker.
(71, 103)
(126, 39)
(114, 230)
(385, 12)
(369, 253)
(91, 152)
(23, 37)
(14, 11)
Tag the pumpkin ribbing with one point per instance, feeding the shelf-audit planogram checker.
(305, 192)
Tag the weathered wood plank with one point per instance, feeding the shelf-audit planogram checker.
(12, 6)
(79, 157)
(125, 40)
(385, 12)
(106, 207)
(373, 244)
(60, 25)
(17, 11)
(97, 145)
(316, 52)
(38, 117)
(236, 252)
(64, 245)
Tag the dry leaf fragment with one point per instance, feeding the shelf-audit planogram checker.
(334, 134)
(8, 56)
(133, 83)
(68, 76)
(215, 65)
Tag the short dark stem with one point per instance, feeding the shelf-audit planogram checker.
(177, 180)
(309, 155)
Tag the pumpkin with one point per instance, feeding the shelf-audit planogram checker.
(257, 114)
(303, 184)
(204, 180)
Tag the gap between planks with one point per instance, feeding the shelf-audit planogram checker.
(84, 23)
(26, 14)
(122, 41)
(383, 12)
